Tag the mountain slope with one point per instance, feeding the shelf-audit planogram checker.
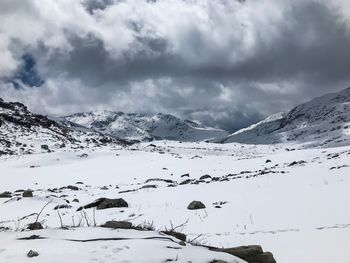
(145, 127)
(22, 132)
(323, 121)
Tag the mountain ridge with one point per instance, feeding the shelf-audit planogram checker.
(321, 121)
(145, 126)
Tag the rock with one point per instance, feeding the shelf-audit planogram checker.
(75, 200)
(185, 175)
(178, 235)
(44, 147)
(62, 207)
(32, 254)
(206, 176)
(104, 188)
(35, 226)
(117, 225)
(73, 187)
(268, 161)
(182, 243)
(6, 195)
(194, 205)
(149, 186)
(105, 203)
(251, 254)
(187, 181)
(27, 193)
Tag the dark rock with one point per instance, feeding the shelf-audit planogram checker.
(32, 254)
(206, 176)
(187, 181)
(104, 188)
(105, 203)
(73, 187)
(185, 175)
(6, 195)
(194, 205)
(251, 254)
(35, 226)
(178, 235)
(149, 186)
(62, 207)
(27, 193)
(75, 200)
(268, 161)
(117, 225)
(45, 147)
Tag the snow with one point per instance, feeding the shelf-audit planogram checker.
(57, 247)
(298, 212)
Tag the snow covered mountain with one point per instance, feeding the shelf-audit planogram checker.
(23, 132)
(145, 127)
(323, 121)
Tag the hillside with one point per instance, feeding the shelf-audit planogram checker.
(23, 132)
(323, 121)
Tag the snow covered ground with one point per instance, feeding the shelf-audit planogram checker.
(293, 203)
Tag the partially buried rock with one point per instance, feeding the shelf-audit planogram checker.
(105, 203)
(6, 195)
(32, 254)
(250, 254)
(73, 187)
(27, 193)
(35, 226)
(117, 225)
(178, 235)
(206, 176)
(194, 205)
(62, 207)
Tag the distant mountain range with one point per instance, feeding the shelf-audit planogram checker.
(323, 121)
(145, 127)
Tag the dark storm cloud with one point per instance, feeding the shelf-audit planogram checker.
(226, 63)
(93, 5)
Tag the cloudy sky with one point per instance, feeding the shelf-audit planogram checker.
(228, 63)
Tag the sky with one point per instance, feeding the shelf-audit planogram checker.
(226, 63)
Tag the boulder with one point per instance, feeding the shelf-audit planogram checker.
(194, 205)
(35, 226)
(32, 254)
(105, 203)
(117, 225)
(251, 254)
(6, 195)
(27, 193)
